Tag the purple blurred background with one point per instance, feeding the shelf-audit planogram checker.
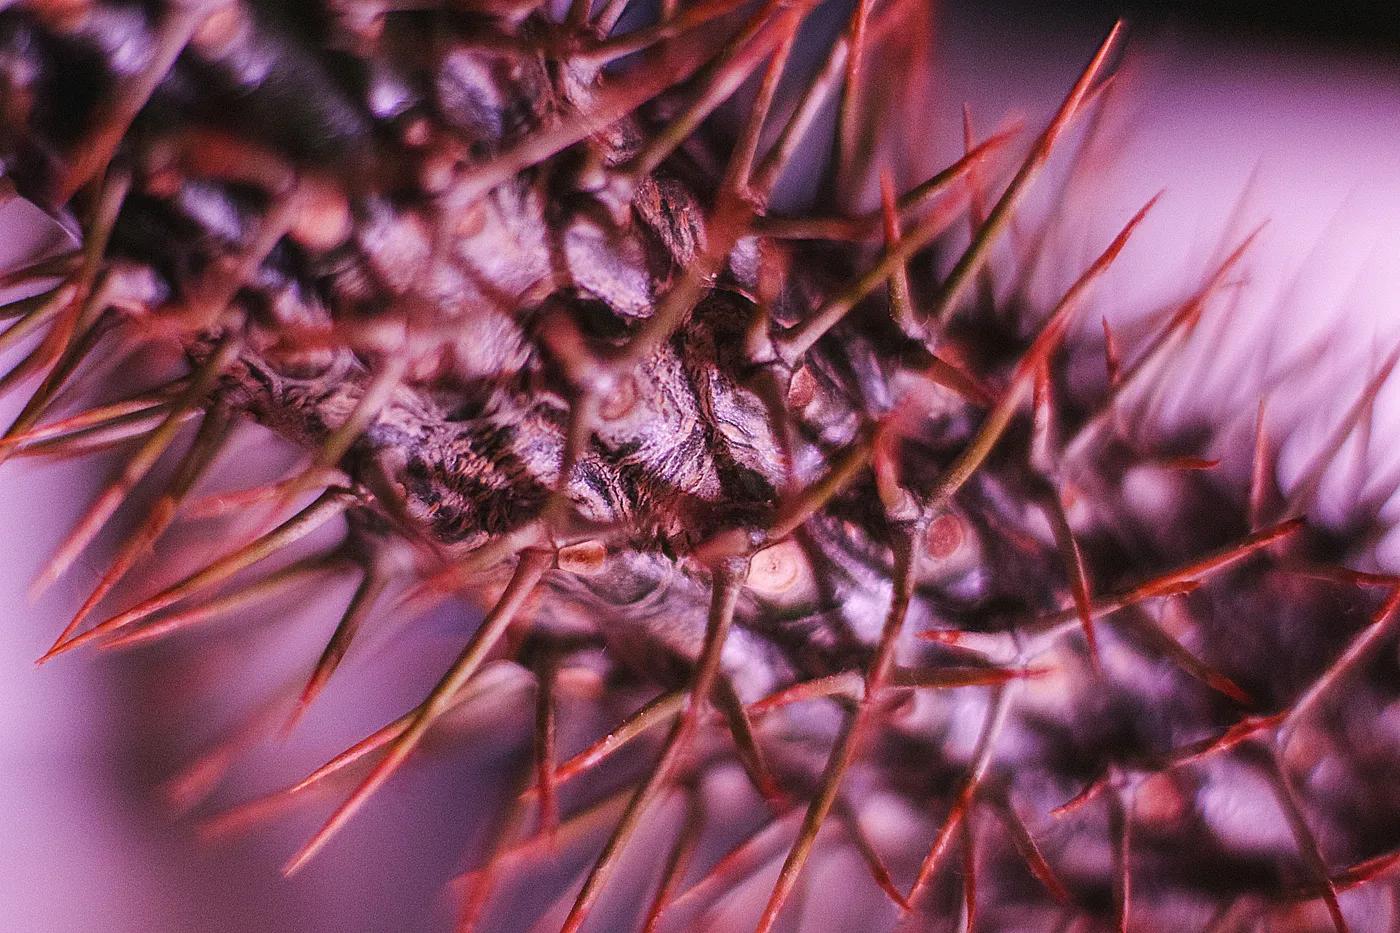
(1303, 133)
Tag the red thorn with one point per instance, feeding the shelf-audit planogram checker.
(1091, 790)
(1222, 684)
(942, 636)
(529, 569)
(1113, 361)
(1030, 852)
(1369, 870)
(1259, 469)
(1190, 463)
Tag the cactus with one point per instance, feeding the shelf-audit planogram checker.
(802, 496)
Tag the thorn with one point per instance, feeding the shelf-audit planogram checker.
(846, 684)
(923, 194)
(1311, 479)
(910, 203)
(1173, 333)
(545, 746)
(1085, 163)
(1366, 871)
(740, 168)
(999, 418)
(209, 303)
(60, 266)
(1222, 684)
(81, 304)
(725, 589)
(479, 883)
(797, 340)
(79, 313)
(196, 781)
(751, 756)
(1345, 576)
(1241, 731)
(1026, 845)
(770, 170)
(1042, 446)
(369, 744)
(1000, 214)
(981, 761)
(848, 136)
(958, 380)
(813, 98)
(244, 816)
(583, 420)
(901, 301)
(136, 468)
(1308, 846)
(656, 711)
(977, 210)
(528, 571)
(1167, 583)
(265, 588)
(1120, 821)
(729, 222)
(743, 860)
(1161, 641)
(884, 464)
(948, 678)
(795, 511)
(367, 593)
(330, 503)
(850, 823)
(606, 20)
(34, 312)
(1189, 314)
(776, 393)
(101, 438)
(574, 827)
(842, 752)
(1175, 582)
(678, 860)
(1232, 915)
(942, 636)
(668, 26)
(969, 860)
(1112, 359)
(1079, 576)
(221, 504)
(529, 536)
(1381, 624)
(613, 100)
(147, 405)
(784, 394)
(578, 15)
(65, 353)
(940, 844)
(1190, 463)
(210, 438)
(1090, 792)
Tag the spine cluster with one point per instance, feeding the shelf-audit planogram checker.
(805, 497)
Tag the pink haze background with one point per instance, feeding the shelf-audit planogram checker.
(1309, 141)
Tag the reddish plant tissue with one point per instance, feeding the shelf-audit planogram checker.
(822, 500)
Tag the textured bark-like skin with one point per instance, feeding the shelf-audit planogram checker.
(473, 443)
(482, 295)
